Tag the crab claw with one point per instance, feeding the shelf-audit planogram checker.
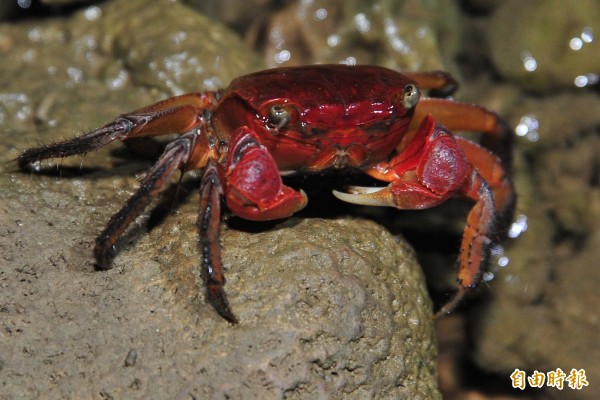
(254, 187)
(404, 195)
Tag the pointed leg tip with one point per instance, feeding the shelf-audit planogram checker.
(102, 265)
(26, 161)
(103, 258)
(225, 312)
(451, 304)
(230, 317)
(217, 299)
(22, 163)
(440, 313)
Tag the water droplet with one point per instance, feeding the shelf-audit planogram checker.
(362, 22)
(528, 127)
(487, 276)
(349, 61)
(283, 56)
(518, 226)
(320, 14)
(75, 74)
(586, 80)
(92, 13)
(529, 62)
(119, 80)
(576, 43)
(587, 35)
(333, 40)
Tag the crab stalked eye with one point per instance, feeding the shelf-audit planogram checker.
(411, 96)
(279, 116)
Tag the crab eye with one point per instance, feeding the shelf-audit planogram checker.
(411, 96)
(279, 116)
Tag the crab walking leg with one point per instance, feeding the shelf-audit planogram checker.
(175, 115)
(481, 224)
(440, 82)
(209, 221)
(477, 238)
(456, 117)
(173, 159)
(491, 168)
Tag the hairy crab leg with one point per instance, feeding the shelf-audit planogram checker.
(186, 115)
(456, 116)
(478, 236)
(209, 221)
(174, 158)
(479, 232)
(175, 115)
(494, 172)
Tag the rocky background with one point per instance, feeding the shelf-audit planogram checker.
(332, 303)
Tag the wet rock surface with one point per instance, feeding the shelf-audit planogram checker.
(546, 45)
(402, 35)
(335, 316)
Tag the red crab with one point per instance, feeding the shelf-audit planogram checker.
(306, 120)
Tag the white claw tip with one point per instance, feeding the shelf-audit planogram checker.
(366, 196)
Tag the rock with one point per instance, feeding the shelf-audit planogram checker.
(402, 35)
(342, 313)
(544, 45)
(64, 2)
